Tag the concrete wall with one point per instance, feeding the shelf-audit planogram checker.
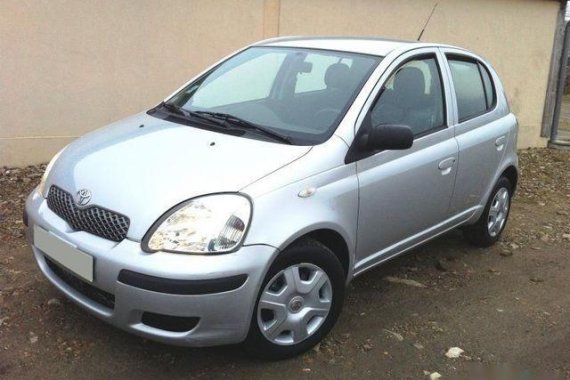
(70, 66)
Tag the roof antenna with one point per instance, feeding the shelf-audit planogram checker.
(427, 22)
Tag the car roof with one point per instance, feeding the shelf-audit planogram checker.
(363, 45)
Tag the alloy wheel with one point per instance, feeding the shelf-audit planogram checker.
(498, 212)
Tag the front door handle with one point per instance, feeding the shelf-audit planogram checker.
(446, 165)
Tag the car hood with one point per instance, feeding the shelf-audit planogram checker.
(142, 166)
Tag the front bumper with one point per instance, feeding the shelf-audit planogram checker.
(123, 272)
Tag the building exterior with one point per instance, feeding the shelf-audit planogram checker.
(68, 67)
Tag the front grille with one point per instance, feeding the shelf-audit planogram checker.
(93, 219)
(88, 290)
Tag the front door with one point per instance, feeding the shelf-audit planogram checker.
(405, 193)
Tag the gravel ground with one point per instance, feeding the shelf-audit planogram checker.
(506, 306)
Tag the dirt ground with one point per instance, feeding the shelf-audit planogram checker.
(507, 307)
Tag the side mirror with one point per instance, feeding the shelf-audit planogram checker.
(388, 137)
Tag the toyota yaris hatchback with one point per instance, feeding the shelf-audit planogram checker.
(239, 208)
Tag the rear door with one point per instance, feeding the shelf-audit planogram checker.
(480, 132)
(404, 194)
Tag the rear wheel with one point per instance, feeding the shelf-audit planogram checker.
(298, 303)
(488, 229)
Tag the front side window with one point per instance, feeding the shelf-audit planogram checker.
(474, 88)
(413, 96)
(298, 93)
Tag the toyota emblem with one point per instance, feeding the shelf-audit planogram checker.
(83, 197)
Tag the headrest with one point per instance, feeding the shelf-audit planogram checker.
(337, 75)
(410, 80)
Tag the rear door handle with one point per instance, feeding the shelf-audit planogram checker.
(499, 142)
(446, 165)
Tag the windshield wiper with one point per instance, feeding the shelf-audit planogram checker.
(237, 121)
(173, 108)
(224, 120)
(189, 114)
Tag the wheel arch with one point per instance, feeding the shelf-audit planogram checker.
(333, 239)
(512, 174)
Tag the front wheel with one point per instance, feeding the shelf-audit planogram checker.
(488, 229)
(298, 303)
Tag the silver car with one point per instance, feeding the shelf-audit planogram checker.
(240, 207)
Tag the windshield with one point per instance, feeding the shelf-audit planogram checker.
(300, 94)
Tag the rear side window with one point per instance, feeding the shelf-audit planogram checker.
(474, 88)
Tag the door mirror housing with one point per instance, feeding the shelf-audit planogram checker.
(388, 137)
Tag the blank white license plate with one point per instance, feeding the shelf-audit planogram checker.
(64, 253)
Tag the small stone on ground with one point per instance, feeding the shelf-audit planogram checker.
(454, 352)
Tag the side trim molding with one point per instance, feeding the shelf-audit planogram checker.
(413, 241)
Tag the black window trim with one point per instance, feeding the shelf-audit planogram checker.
(479, 64)
(493, 87)
(484, 86)
(355, 154)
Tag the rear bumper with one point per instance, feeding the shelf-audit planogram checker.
(216, 292)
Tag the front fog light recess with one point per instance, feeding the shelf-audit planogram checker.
(213, 223)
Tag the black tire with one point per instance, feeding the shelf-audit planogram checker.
(306, 251)
(478, 233)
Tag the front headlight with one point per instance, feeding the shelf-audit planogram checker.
(41, 187)
(209, 224)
